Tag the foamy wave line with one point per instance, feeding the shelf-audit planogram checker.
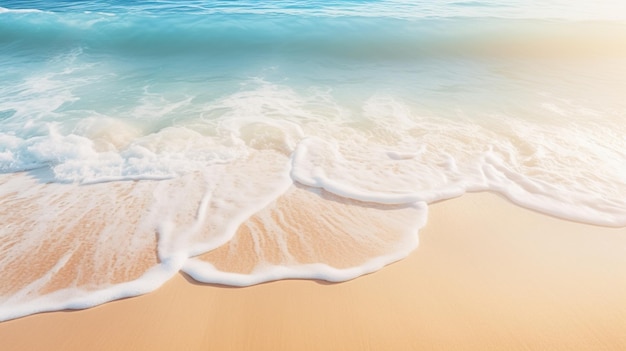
(5, 10)
(484, 171)
(207, 273)
(77, 299)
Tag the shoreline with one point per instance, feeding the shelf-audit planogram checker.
(486, 275)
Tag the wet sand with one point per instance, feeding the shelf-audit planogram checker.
(487, 275)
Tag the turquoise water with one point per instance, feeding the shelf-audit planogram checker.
(178, 128)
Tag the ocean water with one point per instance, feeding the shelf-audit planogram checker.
(245, 141)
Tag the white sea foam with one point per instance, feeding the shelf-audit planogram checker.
(306, 233)
(77, 298)
(5, 10)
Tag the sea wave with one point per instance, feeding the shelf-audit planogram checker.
(222, 35)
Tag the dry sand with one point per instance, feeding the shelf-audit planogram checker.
(487, 275)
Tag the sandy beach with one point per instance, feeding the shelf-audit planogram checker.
(487, 275)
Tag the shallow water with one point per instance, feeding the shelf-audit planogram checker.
(242, 142)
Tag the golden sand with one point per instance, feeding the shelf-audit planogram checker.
(486, 276)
